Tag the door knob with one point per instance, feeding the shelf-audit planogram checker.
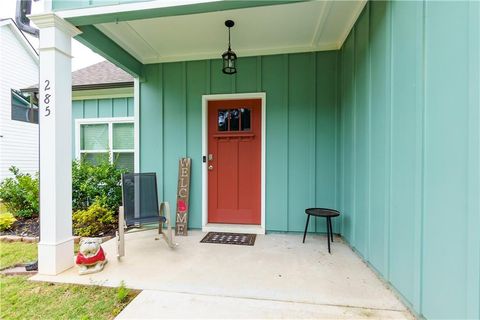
(210, 167)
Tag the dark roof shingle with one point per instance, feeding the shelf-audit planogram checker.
(100, 73)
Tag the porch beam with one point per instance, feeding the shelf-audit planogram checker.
(155, 9)
(55, 249)
(104, 46)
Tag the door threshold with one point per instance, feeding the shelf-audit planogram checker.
(234, 228)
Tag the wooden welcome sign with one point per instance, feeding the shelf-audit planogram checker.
(183, 193)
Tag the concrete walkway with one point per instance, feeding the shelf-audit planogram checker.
(278, 277)
(152, 304)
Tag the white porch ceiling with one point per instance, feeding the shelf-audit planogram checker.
(286, 28)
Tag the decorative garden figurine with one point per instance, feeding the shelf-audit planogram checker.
(91, 258)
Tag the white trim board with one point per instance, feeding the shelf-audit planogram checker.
(241, 53)
(258, 229)
(126, 92)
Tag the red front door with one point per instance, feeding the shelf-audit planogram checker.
(234, 161)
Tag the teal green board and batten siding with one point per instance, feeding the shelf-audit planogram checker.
(409, 156)
(100, 108)
(300, 129)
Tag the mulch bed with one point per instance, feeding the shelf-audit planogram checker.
(31, 228)
(24, 228)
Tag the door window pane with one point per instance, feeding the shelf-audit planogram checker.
(222, 120)
(234, 119)
(124, 160)
(245, 115)
(122, 136)
(94, 137)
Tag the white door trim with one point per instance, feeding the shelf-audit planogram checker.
(259, 229)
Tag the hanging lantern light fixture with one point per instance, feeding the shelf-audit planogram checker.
(229, 57)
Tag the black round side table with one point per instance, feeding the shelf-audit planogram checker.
(322, 212)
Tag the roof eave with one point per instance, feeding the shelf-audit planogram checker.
(96, 86)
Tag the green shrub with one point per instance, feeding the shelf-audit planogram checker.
(20, 194)
(91, 182)
(94, 221)
(6, 221)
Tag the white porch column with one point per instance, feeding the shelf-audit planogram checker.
(55, 250)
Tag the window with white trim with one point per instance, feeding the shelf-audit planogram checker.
(106, 139)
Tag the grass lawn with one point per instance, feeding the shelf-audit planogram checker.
(12, 253)
(24, 299)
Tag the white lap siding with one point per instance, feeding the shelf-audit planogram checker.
(18, 69)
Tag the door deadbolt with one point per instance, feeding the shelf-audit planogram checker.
(210, 167)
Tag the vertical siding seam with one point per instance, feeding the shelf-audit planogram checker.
(314, 68)
(476, 26)
(286, 102)
(477, 154)
(354, 139)
(185, 99)
(418, 276)
(473, 156)
(137, 160)
(389, 150)
(335, 127)
(343, 140)
(208, 81)
(369, 136)
(162, 113)
(259, 73)
(338, 137)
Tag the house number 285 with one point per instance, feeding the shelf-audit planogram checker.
(47, 97)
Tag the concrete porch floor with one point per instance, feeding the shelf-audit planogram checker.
(278, 277)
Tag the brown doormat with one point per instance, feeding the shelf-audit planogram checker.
(244, 239)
